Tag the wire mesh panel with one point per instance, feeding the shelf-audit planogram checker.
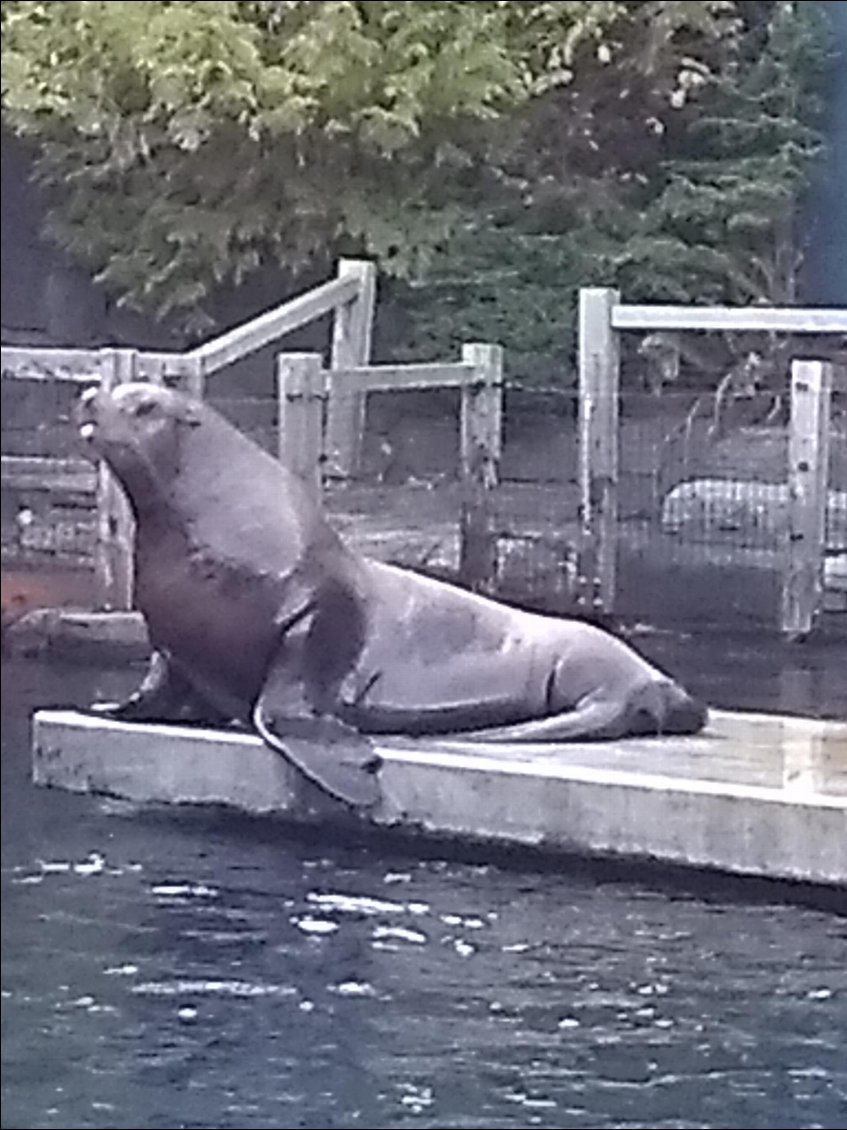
(404, 504)
(537, 502)
(48, 495)
(703, 487)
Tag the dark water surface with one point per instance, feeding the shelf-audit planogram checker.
(168, 969)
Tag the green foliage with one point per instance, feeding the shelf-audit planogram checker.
(187, 143)
(492, 156)
(730, 193)
(692, 199)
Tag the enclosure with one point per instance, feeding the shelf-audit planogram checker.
(692, 469)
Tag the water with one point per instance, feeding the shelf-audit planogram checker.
(196, 969)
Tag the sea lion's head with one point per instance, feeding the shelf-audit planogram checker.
(138, 429)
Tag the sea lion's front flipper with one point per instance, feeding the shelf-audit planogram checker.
(165, 695)
(337, 758)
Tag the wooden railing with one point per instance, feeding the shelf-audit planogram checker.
(349, 297)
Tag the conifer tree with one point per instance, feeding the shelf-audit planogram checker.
(706, 211)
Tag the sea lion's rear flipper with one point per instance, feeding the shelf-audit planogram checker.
(655, 707)
(591, 720)
(165, 695)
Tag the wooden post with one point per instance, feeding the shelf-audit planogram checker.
(114, 550)
(193, 377)
(599, 384)
(351, 347)
(481, 443)
(301, 393)
(150, 367)
(808, 466)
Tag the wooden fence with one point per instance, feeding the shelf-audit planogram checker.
(321, 419)
(349, 298)
(320, 413)
(602, 317)
(307, 393)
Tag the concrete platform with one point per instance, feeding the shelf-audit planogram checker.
(68, 633)
(755, 794)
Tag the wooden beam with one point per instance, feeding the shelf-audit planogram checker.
(481, 412)
(772, 319)
(27, 472)
(81, 366)
(273, 324)
(481, 430)
(392, 378)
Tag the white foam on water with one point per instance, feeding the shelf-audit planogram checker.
(353, 989)
(95, 864)
(181, 890)
(212, 987)
(315, 925)
(355, 904)
(401, 934)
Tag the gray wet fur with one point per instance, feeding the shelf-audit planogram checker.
(259, 613)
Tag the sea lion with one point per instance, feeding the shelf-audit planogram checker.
(258, 612)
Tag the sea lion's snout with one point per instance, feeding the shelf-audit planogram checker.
(110, 416)
(136, 426)
(103, 418)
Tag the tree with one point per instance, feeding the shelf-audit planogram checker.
(728, 196)
(491, 156)
(690, 196)
(187, 144)
(184, 144)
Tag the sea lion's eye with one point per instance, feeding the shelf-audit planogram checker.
(145, 408)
